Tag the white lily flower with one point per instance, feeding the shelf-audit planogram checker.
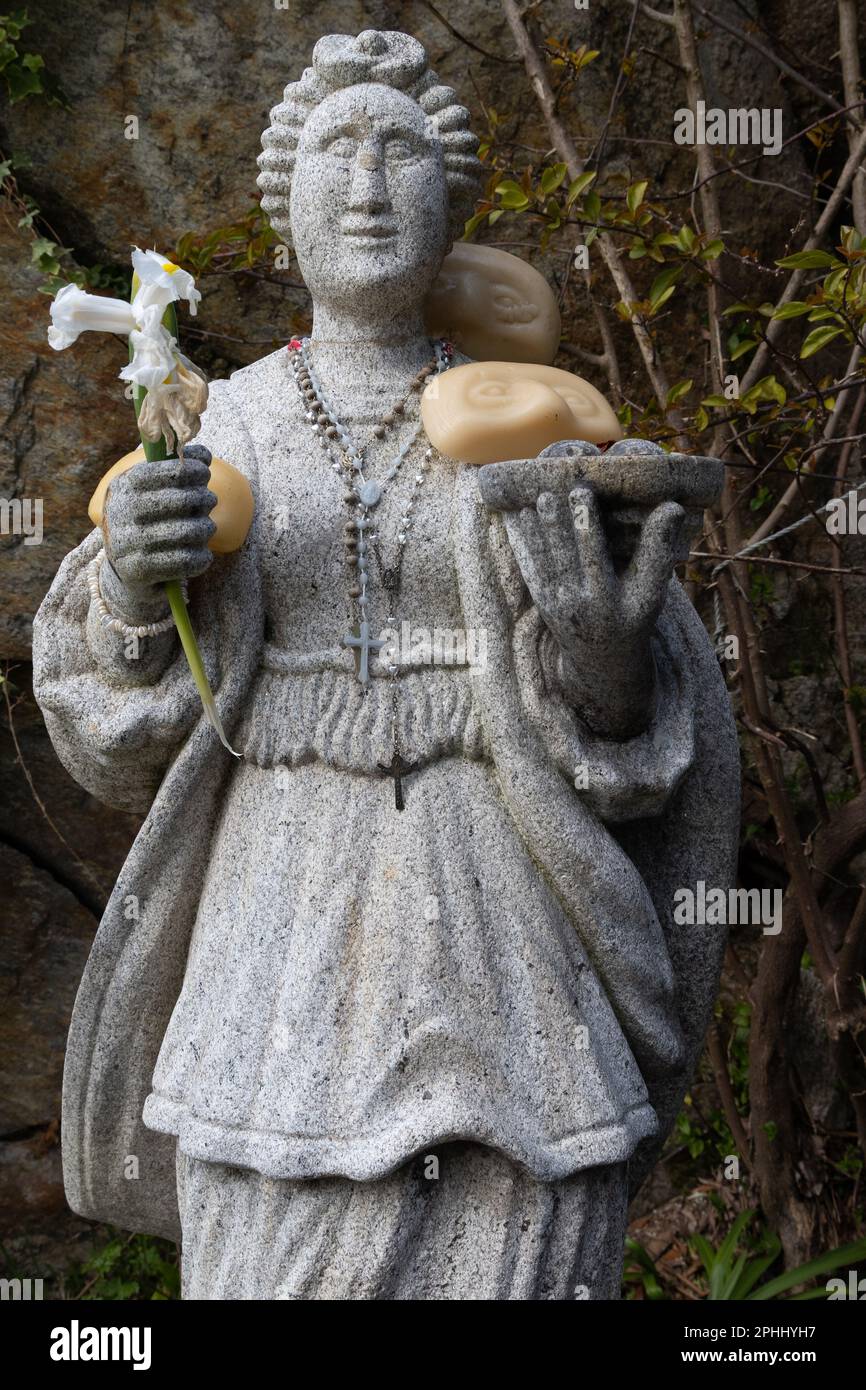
(73, 311)
(154, 351)
(175, 390)
(174, 408)
(160, 281)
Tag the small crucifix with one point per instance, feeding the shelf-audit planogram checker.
(363, 644)
(398, 769)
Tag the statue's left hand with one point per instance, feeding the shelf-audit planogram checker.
(602, 620)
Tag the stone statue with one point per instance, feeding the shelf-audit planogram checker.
(394, 1006)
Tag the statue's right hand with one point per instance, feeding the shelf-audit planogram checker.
(156, 523)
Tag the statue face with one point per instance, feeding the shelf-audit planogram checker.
(369, 200)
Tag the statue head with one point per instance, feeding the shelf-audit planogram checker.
(369, 169)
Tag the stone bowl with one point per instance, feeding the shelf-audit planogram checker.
(629, 479)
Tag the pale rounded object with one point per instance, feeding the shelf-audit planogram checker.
(490, 412)
(233, 513)
(493, 306)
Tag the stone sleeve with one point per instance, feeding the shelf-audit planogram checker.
(116, 723)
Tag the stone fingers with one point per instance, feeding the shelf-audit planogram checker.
(653, 562)
(591, 541)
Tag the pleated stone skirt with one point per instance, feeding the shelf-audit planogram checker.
(462, 1222)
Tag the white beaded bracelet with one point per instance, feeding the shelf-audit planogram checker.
(107, 618)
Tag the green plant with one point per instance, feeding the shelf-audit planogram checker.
(240, 245)
(732, 1273)
(640, 1271)
(128, 1267)
(46, 252)
(24, 73)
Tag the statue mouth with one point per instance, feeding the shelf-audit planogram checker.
(370, 231)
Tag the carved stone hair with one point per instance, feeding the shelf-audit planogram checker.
(385, 56)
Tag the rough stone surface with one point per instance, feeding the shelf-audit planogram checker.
(41, 960)
(269, 940)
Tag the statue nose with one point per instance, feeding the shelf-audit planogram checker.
(367, 158)
(369, 191)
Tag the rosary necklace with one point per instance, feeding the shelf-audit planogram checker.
(363, 494)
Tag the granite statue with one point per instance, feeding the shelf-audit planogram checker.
(394, 1005)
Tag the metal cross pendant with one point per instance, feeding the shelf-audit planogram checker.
(359, 639)
(398, 770)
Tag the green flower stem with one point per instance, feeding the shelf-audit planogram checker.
(154, 451)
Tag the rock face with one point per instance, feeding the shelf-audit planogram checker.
(39, 970)
(56, 876)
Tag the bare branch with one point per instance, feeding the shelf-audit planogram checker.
(776, 326)
(567, 152)
(849, 55)
(751, 42)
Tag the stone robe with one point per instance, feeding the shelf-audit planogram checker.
(567, 1010)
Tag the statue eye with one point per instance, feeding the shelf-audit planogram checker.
(343, 147)
(397, 150)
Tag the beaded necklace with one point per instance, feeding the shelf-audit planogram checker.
(363, 495)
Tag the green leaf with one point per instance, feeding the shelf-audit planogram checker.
(680, 389)
(846, 1256)
(473, 223)
(712, 250)
(512, 195)
(686, 239)
(742, 348)
(818, 338)
(21, 82)
(552, 178)
(664, 282)
(576, 187)
(792, 310)
(809, 260)
(635, 195)
(662, 299)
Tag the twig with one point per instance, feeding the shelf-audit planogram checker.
(719, 1063)
(792, 491)
(849, 56)
(568, 154)
(751, 42)
(840, 612)
(776, 326)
